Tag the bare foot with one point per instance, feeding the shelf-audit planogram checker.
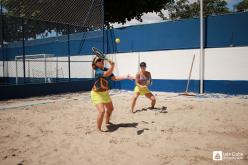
(109, 123)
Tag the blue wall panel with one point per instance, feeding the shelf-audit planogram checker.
(225, 86)
(31, 90)
(210, 86)
(221, 31)
(227, 30)
(181, 34)
(162, 85)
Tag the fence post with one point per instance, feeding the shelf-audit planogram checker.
(16, 71)
(2, 40)
(45, 68)
(57, 68)
(23, 50)
(69, 51)
(28, 71)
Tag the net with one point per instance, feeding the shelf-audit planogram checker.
(39, 68)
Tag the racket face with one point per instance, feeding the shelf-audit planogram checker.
(98, 53)
(149, 82)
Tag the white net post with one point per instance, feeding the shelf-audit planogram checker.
(57, 65)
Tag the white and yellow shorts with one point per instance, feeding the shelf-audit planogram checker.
(142, 91)
(100, 97)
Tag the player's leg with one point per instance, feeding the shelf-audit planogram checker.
(100, 116)
(135, 97)
(109, 106)
(152, 98)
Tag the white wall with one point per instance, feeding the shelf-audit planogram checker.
(126, 63)
(226, 63)
(172, 64)
(220, 64)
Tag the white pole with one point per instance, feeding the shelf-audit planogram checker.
(201, 49)
(16, 71)
(57, 72)
(45, 69)
(138, 61)
(29, 69)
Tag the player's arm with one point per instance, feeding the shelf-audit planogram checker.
(110, 69)
(118, 78)
(149, 78)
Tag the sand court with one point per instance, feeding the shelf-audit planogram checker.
(61, 129)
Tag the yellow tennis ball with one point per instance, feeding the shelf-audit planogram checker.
(117, 40)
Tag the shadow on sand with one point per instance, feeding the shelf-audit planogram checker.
(113, 127)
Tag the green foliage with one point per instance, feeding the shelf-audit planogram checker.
(182, 9)
(242, 6)
(124, 10)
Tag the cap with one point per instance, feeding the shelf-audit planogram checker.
(95, 59)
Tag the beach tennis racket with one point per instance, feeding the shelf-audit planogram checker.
(99, 54)
(149, 81)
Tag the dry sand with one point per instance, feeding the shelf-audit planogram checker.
(61, 129)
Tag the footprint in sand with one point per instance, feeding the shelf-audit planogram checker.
(145, 122)
(139, 132)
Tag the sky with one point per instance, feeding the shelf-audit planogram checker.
(231, 3)
(153, 17)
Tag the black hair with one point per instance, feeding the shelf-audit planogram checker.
(142, 64)
(95, 60)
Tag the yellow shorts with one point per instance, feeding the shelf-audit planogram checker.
(142, 91)
(100, 97)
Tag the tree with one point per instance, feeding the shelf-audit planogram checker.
(115, 10)
(182, 9)
(242, 6)
(58, 11)
(121, 11)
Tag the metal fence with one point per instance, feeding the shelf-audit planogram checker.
(44, 43)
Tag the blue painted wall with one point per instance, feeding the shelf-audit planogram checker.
(210, 86)
(227, 30)
(183, 34)
(31, 90)
(221, 31)
(161, 85)
(59, 46)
